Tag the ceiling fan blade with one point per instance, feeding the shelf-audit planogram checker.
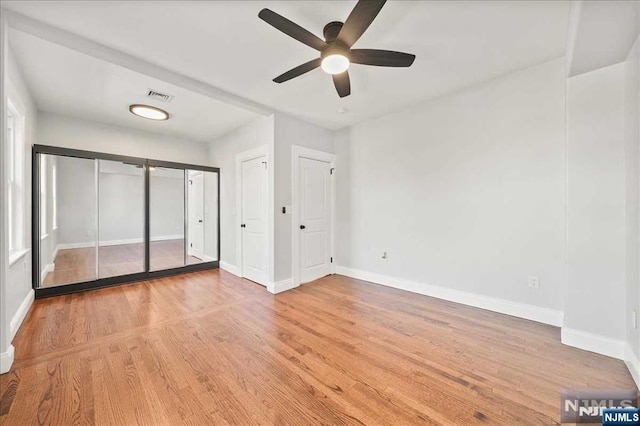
(291, 29)
(359, 20)
(342, 83)
(381, 58)
(298, 71)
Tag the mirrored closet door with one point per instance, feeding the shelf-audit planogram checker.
(112, 219)
(120, 218)
(167, 213)
(68, 220)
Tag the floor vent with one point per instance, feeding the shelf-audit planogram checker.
(162, 97)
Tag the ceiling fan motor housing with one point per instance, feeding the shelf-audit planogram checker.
(335, 48)
(331, 31)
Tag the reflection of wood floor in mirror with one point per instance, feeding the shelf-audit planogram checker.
(79, 264)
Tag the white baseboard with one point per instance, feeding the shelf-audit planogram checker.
(633, 363)
(6, 360)
(280, 286)
(521, 310)
(593, 342)
(232, 269)
(47, 268)
(20, 314)
(275, 288)
(64, 246)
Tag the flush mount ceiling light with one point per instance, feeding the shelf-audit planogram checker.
(147, 111)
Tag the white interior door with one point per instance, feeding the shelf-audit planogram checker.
(315, 219)
(196, 215)
(254, 220)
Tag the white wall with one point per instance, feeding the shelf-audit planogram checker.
(19, 274)
(466, 192)
(166, 205)
(596, 191)
(632, 196)
(279, 132)
(18, 290)
(291, 131)
(76, 200)
(222, 154)
(121, 203)
(69, 132)
(6, 350)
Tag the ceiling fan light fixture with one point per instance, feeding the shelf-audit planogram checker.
(149, 112)
(335, 64)
(335, 50)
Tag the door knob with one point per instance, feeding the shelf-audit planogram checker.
(200, 221)
(302, 227)
(243, 226)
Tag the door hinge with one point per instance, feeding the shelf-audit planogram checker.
(191, 245)
(190, 182)
(332, 260)
(331, 170)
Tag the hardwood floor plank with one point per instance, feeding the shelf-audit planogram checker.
(210, 348)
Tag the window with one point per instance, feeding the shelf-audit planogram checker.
(16, 184)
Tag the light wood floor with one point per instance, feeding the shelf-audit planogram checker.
(79, 264)
(210, 348)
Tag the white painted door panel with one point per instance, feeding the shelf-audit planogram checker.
(254, 220)
(315, 216)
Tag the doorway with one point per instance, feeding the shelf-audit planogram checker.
(252, 204)
(313, 214)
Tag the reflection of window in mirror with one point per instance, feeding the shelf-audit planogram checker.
(15, 181)
(54, 194)
(43, 196)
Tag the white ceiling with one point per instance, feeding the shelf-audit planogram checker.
(605, 34)
(66, 82)
(225, 44)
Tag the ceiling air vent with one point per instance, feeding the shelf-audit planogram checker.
(159, 96)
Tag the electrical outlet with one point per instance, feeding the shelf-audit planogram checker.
(534, 282)
(384, 255)
(634, 318)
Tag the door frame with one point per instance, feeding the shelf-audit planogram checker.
(298, 152)
(260, 151)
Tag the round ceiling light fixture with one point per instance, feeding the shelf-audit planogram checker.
(149, 112)
(335, 64)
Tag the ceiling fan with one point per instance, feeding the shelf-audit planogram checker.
(335, 50)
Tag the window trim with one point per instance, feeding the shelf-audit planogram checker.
(17, 256)
(16, 190)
